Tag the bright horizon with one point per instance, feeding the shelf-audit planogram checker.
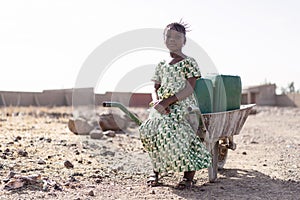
(43, 44)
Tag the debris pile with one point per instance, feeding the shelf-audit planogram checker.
(108, 125)
(15, 181)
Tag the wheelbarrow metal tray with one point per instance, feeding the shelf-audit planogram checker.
(227, 123)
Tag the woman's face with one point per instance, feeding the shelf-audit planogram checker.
(174, 40)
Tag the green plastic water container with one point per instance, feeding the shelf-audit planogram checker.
(227, 93)
(204, 95)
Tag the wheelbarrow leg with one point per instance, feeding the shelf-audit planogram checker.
(213, 169)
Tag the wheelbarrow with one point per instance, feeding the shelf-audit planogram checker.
(220, 127)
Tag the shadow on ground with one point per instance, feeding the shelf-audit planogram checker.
(243, 184)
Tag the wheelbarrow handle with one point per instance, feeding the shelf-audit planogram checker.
(132, 116)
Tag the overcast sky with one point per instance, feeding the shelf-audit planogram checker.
(43, 44)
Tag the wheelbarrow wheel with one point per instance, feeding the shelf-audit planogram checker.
(222, 155)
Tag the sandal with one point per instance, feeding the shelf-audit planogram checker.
(153, 180)
(185, 184)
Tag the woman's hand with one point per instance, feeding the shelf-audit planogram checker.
(162, 106)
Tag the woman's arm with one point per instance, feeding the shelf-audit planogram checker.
(185, 92)
(156, 87)
(182, 94)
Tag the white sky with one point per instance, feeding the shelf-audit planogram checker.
(43, 44)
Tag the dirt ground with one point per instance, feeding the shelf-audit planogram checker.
(37, 141)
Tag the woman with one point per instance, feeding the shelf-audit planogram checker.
(168, 137)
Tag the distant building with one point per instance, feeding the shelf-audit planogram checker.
(260, 95)
(265, 95)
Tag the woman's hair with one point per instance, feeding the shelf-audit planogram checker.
(177, 26)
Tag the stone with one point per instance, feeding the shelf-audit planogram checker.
(91, 193)
(11, 174)
(41, 162)
(22, 153)
(114, 122)
(129, 188)
(109, 133)
(68, 164)
(108, 153)
(80, 126)
(49, 140)
(98, 180)
(96, 134)
(72, 179)
(18, 138)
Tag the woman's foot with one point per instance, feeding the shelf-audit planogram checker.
(153, 180)
(185, 184)
(187, 181)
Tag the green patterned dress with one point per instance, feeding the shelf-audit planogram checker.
(171, 142)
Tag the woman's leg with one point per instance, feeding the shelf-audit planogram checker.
(153, 179)
(187, 180)
(189, 175)
(156, 174)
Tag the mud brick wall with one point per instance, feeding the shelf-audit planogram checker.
(65, 97)
(69, 97)
(292, 100)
